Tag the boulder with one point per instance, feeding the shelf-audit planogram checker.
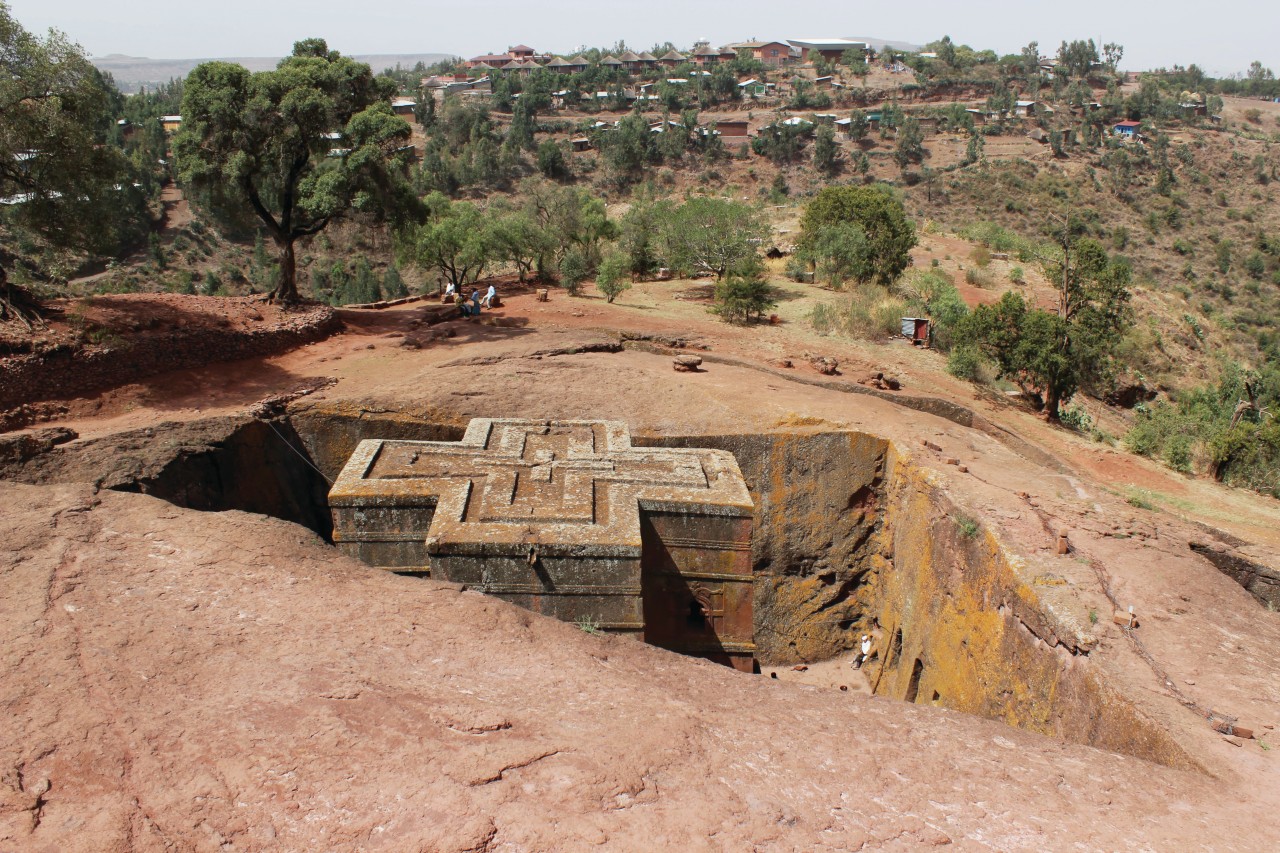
(687, 363)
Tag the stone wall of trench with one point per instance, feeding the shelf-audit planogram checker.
(851, 538)
(960, 628)
(818, 511)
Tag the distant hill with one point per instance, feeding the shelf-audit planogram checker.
(133, 72)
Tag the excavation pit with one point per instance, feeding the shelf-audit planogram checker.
(849, 536)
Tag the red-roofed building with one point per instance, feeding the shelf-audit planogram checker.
(772, 53)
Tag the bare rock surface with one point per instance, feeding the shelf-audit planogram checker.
(219, 681)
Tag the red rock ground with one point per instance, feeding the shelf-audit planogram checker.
(179, 663)
(178, 680)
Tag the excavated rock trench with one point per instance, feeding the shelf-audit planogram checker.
(849, 539)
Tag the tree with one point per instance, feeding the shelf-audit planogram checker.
(393, 284)
(424, 111)
(825, 151)
(744, 296)
(1058, 351)
(516, 237)
(711, 235)
(628, 149)
(947, 50)
(455, 240)
(839, 252)
(551, 162)
(54, 163)
(639, 237)
(1030, 60)
(1078, 57)
(570, 217)
(263, 142)
(574, 270)
(856, 62)
(613, 277)
(973, 149)
(1112, 53)
(858, 125)
(1258, 72)
(910, 147)
(878, 212)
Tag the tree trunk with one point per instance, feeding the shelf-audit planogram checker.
(286, 291)
(17, 302)
(1053, 400)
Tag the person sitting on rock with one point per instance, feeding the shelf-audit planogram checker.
(865, 652)
(449, 291)
(460, 303)
(490, 295)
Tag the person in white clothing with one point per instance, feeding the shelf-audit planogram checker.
(487, 302)
(865, 652)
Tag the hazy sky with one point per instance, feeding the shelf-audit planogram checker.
(1222, 36)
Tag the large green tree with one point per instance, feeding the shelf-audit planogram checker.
(456, 240)
(58, 178)
(874, 209)
(711, 235)
(266, 142)
(1059, 351)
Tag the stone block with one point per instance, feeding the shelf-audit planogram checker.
(568, 519)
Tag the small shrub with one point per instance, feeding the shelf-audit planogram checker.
(1017, 276)
(796, 269)
(965, 363)
(966, 526)
(1076, 419)
(212, 284)
(980, 255)
(1177, 453)
(978, 277)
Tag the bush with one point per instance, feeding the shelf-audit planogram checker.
(613, 277)
(1177, 453)
(574, 270)
(978, 278)
(212, 284)
(796, 269)
(871, 313)
(965, 363)
(1077, 419)
(744, 295)
(981, 255)
(1017, 276)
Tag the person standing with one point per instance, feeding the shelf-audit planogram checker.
(475, 302)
